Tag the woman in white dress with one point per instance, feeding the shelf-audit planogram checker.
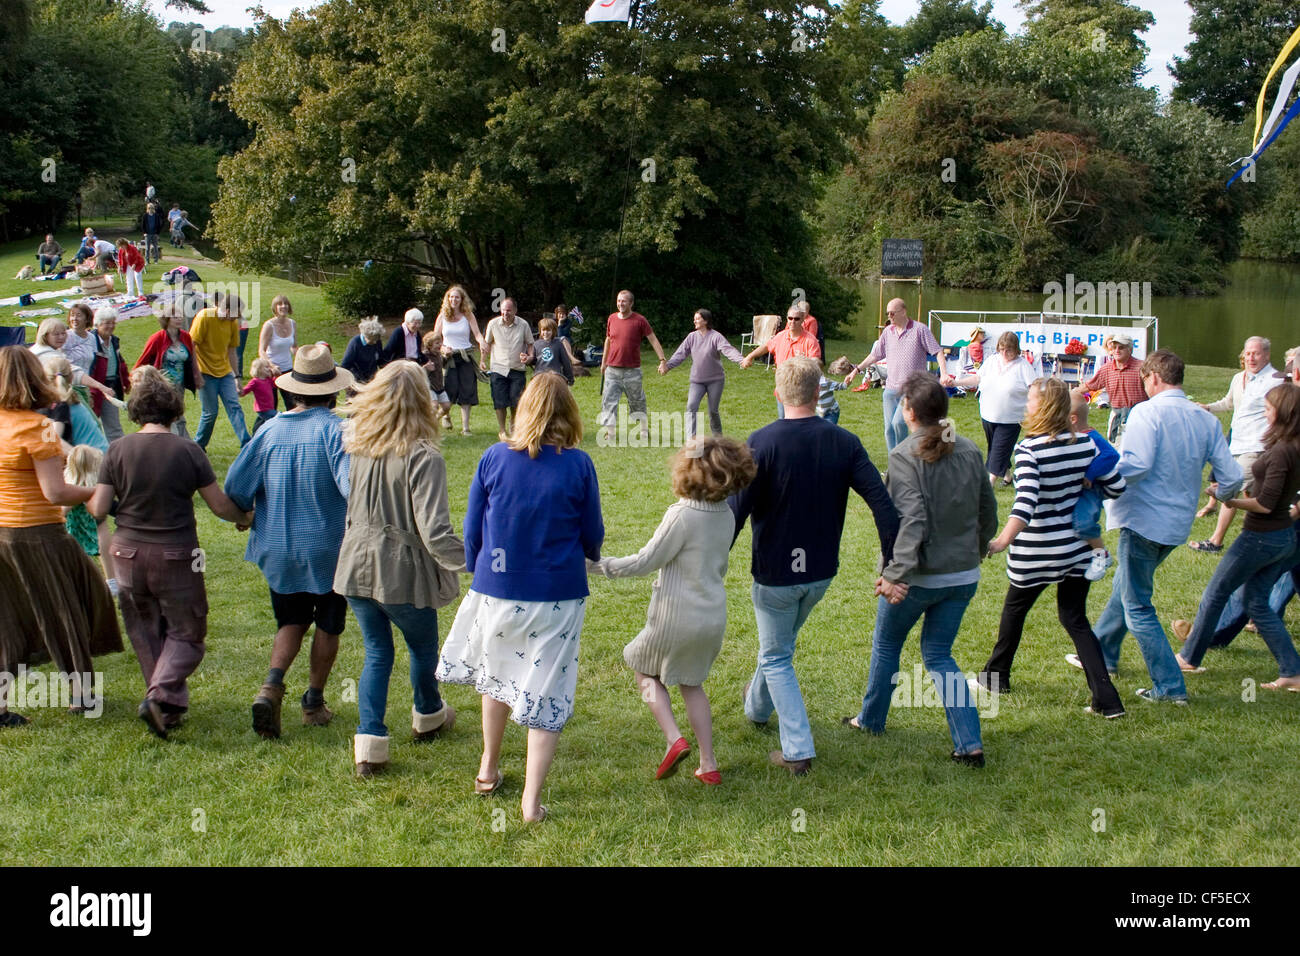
(532, 522)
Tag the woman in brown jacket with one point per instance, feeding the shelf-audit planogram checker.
(400, 553)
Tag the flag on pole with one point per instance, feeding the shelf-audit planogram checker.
(609, 10)
(576, 315)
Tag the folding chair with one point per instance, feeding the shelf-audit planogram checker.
(765, 327)
(13, 335)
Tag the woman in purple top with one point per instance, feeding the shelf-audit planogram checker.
(704, 345)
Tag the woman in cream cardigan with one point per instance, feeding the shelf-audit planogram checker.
(400, 553)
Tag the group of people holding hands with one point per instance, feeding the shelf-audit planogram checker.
(354, 513)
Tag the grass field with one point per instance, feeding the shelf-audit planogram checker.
(1205, 784)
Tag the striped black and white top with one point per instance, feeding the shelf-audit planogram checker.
(1049, 478)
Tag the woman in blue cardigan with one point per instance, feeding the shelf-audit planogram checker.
(532, 521)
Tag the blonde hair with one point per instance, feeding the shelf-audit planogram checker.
(48, 326)
(547, 325)
(431, 341)
(59, 372)
(547, 415)
(83, 464)
(466, 303)
(261, 368)
(797, 380)
(1053, 414)
(391, 413)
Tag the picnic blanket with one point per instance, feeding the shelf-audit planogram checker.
(36, 313)
(37, 296)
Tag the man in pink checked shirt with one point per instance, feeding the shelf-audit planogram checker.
(905, 347)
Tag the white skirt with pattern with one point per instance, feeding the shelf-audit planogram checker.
(522, 653)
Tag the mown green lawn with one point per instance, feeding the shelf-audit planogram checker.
(1205, 784)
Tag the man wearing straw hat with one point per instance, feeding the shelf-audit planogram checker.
(293, 476)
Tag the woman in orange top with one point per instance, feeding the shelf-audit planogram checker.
(57, 605)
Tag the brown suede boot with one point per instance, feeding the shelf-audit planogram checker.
(317, 716)
(266, 711)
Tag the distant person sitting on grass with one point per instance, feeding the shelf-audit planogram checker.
(293, 476)
(687, 617)
(49, 254)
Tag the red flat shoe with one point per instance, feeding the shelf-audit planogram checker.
(676, 753)
(711, 777)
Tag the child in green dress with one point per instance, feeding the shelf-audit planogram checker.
(83, 469)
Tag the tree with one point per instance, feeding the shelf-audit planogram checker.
(490, 144)
(938, 20)
(1234, 44)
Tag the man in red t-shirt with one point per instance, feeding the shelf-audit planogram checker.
(620, 362)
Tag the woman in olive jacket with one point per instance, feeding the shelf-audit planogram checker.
(400, 552)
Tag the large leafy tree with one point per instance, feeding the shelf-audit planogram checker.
(1234, 44)
(939, 20)
(490, 143)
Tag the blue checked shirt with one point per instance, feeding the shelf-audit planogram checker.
(295, 474)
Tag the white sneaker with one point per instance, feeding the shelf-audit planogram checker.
(1073, 661)
(1101, 562)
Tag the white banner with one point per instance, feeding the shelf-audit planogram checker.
(1045, 339)
(611, 10)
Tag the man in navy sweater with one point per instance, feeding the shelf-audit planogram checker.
(806, 466)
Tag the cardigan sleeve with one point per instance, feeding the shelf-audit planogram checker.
(666, 543)
(904, 485)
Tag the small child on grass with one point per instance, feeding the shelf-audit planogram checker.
(262, 385)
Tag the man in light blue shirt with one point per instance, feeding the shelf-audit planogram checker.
(1167, 444)
(293, 476)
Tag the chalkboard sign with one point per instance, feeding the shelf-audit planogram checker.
(902, 258)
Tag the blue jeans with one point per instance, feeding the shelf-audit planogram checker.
(1087, 514)
(222, 388)
(943, 609)
(779, 613)
(1130, 609)
(420, 629)
(239, 352)
(895, 427)
(49, 263)
(1254, 562)
(1234, 616)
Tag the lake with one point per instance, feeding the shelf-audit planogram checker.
(1262, 298)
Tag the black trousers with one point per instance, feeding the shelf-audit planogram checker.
(1071, 610)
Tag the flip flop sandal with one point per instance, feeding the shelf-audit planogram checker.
(1277, 685)
(486, 787)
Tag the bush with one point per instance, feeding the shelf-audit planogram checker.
(383, 289)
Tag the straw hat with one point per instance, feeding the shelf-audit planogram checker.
(314, 373)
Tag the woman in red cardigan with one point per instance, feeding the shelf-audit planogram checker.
(171, 351)
(130, 262)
